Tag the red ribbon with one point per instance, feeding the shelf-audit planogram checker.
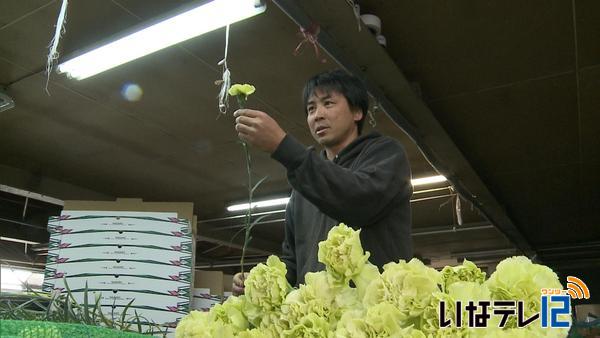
(310, 36)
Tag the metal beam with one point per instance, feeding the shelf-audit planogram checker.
(228, 263)
(359, 53)
(231, 240)
(29, 194)
(447, 229)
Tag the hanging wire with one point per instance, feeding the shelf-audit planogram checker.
(372, 120)
(459, 218)
(448, 202)
(53, 53)
(356, 10)
(371, 115)
(225, 81)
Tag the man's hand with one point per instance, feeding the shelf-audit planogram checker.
(258, 129)
(238, 283)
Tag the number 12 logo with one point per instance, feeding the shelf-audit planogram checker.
(556, 310)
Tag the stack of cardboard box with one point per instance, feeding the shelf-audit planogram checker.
(210, 288)
(140, 260)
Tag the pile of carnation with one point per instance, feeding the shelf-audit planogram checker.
(351, 298)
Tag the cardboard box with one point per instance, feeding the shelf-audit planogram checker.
(121, 282)
(117, 252)
(212, 280)
(227, 282)
(208, 289)
(162, 223)
(115, 267)
(183, 209)
(203, 300)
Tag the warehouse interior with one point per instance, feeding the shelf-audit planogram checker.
(500, 97)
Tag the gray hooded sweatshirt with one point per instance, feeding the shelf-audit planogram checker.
(366, 186)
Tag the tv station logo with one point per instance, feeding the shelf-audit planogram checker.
(554, 303)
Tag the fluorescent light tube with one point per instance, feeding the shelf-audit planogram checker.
(200, 20)
(283, 201)
(428, 180)
(14, 279)
(16, 240)
(261, 204)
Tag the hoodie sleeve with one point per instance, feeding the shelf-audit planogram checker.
(356, 196)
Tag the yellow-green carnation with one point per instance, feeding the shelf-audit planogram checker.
(342, 253)
(408, 286)
(241, 89)
(266, 288)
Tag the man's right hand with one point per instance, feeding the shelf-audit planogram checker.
(237, 288)
(259, 129)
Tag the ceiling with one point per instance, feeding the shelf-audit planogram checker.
(500, 96)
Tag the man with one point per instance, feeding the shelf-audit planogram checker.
(363, 181)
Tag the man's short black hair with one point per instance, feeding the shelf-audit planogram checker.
(346, 84)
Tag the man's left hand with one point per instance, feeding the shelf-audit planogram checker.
(259, 129)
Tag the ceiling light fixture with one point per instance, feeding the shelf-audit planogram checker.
(284, 201)
(12, 279)
(260, 204)
(428, 180)
(6, 102)
(16, 240)
(197, 21)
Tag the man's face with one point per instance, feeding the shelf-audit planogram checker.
(330, 119)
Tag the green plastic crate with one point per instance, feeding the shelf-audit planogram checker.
(35, 329)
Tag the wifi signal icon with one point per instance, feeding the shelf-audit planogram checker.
(577, 288)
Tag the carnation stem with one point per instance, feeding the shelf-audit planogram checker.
(248, 217)
(249, 211)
